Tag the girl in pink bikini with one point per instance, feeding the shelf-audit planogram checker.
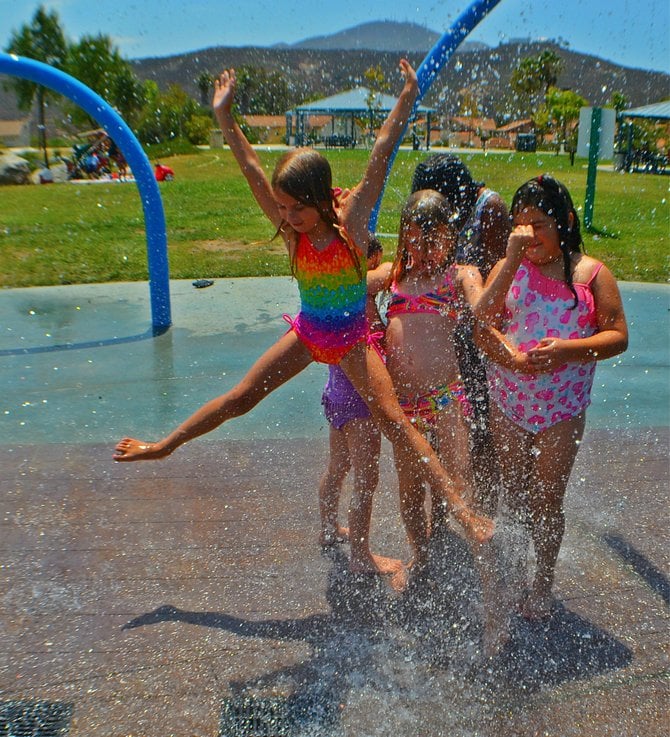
(324, 239)
(547, 314)
(430, 295)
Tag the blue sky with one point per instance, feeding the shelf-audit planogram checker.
(634, 33)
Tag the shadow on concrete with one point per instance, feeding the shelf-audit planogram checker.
(152, 333)
(371, 634)
(643, 567)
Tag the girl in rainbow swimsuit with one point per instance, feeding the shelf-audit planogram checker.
(547, 314)
(354, 443)
(322, 237)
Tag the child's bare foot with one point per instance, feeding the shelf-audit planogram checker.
(377, 565)
(398, 581)
(477, 527)
(536, 607)
(334, 536)
(496, 633)
(130, 449)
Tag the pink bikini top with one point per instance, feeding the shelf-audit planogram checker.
(441, 301)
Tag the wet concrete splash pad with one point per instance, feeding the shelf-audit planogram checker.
(190, 597)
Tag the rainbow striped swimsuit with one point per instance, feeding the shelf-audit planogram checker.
(332, 300)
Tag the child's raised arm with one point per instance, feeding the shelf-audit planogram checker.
(357, 208)
(246, 157)
(491, 302)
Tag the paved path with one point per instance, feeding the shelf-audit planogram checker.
(171, 598)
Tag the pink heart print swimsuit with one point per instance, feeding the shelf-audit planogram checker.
(539, 307)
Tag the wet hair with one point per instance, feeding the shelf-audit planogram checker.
(448, 175)
(374, 246)
(306, 176)
(427, 209)
(553, 199)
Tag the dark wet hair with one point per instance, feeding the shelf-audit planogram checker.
(448, 175)
(553, 199)
(374, 246)
(427, 209)
(305, 175)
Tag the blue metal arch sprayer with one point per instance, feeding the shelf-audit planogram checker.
(437, 57)
(118, 130)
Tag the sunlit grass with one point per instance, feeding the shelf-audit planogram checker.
(64, 234)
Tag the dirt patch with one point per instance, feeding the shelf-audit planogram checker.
(230, 248)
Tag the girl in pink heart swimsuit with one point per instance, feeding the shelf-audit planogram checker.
(547, 314)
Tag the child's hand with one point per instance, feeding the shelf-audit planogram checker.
(409, 75)
(547, 355)
(224, 92)
(522, 364)
(520, 239)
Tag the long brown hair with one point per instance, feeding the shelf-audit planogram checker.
(305, 175)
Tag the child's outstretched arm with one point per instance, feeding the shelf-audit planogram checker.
(469, 279)
(246, 157)
(357, 208)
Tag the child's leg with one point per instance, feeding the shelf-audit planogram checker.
(330, 487)
(454, 443)
(364, 441)
(286, 358)
(413, 509)
(365, 370)
(513, 447)
(555, 452)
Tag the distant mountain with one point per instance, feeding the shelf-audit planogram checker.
(375, 36)
(485, 72)
(323, 66)
(379, 36)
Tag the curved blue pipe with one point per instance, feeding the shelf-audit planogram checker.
(430, 67)
(116, 127)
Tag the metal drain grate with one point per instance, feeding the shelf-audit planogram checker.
(35, 718)
(255, 717)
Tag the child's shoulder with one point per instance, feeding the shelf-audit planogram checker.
(585, 268)
(378, 278)
(466, 273)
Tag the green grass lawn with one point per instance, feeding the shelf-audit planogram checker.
(68, 233)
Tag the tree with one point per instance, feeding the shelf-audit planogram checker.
(563, 107)
(169, 115)
(260, 92)
(205, 83)
(541, 122)
(377, 84)
(42, 40)
(549, 66)
(619, 101)
(526, 81)
(468, 102)
(535, 75)
(97, 63)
